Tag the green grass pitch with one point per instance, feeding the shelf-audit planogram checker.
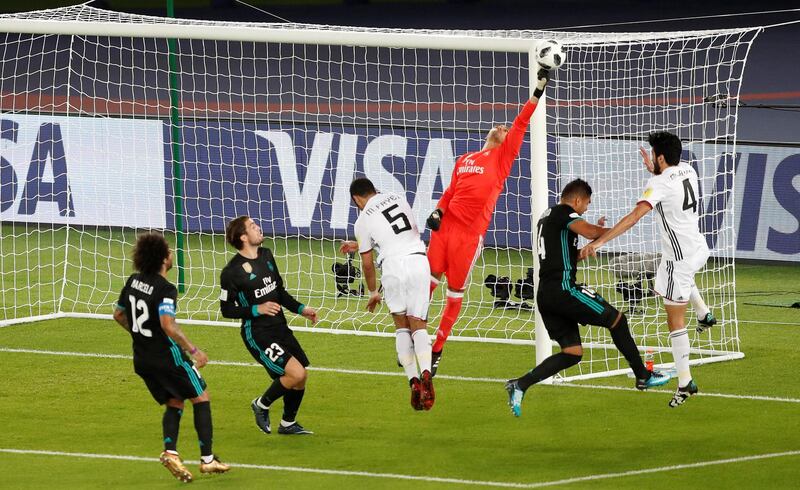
(367, 435)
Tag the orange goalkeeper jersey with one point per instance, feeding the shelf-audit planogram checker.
(478, 178)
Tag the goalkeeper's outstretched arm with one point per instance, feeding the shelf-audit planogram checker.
(542, 76)
(513, 142)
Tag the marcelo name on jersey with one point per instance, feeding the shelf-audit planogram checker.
(142, 286)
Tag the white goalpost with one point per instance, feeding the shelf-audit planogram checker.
(112, 124)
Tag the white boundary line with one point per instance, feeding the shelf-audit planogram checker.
(296, 469)
(396, 476)
(400, 374)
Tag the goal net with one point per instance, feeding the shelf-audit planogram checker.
(110, 128)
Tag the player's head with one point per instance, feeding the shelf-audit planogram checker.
(361, 190)
(151, 253)
(666, 150)
(577, 194)
(243, 231)
(496, 136)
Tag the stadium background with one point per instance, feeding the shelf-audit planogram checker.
(771, 76)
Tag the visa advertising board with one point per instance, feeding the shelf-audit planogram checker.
(294, 178)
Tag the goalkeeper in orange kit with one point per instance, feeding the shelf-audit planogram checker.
(464, 212)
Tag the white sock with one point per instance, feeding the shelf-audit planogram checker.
(700, 307)
(680, 352)
(287, 424)
(207, 459)
(422, 347)
(405, 352)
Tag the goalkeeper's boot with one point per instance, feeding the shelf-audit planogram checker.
(215, 466)
(657, 378)
(706, 322)
(436, 357)
(262, 417)
(174, 464)
(294, 429)
(683, 393)
(515, 396)
(416, 393)
(428, 394)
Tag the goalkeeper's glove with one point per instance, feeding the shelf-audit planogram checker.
(434, 221)
(541, 81)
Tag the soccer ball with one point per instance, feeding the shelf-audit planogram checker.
(550, 55)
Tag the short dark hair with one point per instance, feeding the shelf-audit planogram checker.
(234, 231)
(576, 187)
(149, 252)
(362, 187)
(666, 144)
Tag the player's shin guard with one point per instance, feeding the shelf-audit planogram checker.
(171, 424)
(202, 424)
(621, 335)
(548, 367)
(291, 404)
(274, 392)
(405, 352)
(680, 353)
(422, 348)
(449, 317)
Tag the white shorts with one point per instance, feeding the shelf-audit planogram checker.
(675, 278)
(406, 285)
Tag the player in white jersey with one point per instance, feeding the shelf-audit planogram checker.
(672, 192)
(386, 223)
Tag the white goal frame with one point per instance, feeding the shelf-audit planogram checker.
(319, 35)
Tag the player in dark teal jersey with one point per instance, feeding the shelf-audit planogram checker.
(564, 304)
(162, 354)
(253, 290)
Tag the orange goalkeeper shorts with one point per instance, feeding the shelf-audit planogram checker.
(453, 251)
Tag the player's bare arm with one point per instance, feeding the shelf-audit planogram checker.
(173, 331)
(122, 318)
(310, 314)
(269, 308)
(588, 230)
(648, 163)
(626, 223)
(368, 264)
(348, 247)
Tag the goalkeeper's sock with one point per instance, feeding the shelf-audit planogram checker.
(621, 335)
(700, 307)
(291, 404)
(171, 424)
(434, 284)
(422, 348)
(274, 392)
(680, 353)
(449, 317)
(405, 352)
(548, 367)
(203, 426)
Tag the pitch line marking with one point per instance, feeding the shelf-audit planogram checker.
(400, 374)
(622, 474)
(397, 476)
(296, 469)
